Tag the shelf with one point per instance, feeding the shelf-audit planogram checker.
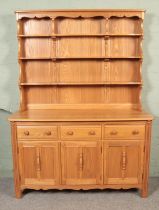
(36, 58)
(74, 58)
(126, 35)
(35, 35)
(80, 83)
(77, 35)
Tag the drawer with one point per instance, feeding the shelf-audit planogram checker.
(81, 132)
(37, 132)
(124, 132)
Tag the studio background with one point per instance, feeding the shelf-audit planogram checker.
(9, 70)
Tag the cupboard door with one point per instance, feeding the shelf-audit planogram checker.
(81, 163)
(39, 163)
(123, 162)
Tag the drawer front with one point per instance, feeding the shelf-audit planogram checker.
(80, 132)
(37, 132)
(124, 132)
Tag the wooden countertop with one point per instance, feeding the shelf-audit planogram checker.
(80, 115)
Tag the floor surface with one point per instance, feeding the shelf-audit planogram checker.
(74, 200)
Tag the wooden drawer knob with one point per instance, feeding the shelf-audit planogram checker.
(70, 133)
(92, 133)
(48, 133)
(113, 132)
(135, 132)
(26, 133)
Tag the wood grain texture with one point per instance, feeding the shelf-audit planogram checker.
(37, 132)
(32, 47)
(123, 162)
(81, 163)
(80, 26)
(33, 158)
(37, 26)
(82, 114)
(125, 26)
(81, 123)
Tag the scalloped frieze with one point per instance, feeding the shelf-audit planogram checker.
(82, 14)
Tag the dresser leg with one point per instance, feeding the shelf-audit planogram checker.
(18, 193)
(144, 192)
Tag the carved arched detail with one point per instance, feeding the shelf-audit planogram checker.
(40, 16)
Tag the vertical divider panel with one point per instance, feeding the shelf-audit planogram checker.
(107, 46)
(54, 55)
(107, 54)
(107, 70)
(106, 25)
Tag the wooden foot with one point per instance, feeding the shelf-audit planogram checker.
(144, 192)
(18, 193)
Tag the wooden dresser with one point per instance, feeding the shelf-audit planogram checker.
(80, 123)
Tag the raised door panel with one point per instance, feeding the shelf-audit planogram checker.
(49, 163)
(81, 163)
(123, 163)
(28, 163)
(39, 163)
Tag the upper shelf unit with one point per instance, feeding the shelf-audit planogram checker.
(80, 58)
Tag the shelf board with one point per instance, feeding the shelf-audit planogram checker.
(76, 35)
(36, 58)
(79, 83)
(125, 35)
(74, 58)
(35, 35)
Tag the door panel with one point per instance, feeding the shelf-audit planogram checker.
(81, 163)
(123, 162)
(49, 163)
(28, 162)
(39, 163)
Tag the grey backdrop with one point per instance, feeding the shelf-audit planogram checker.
(9, 66)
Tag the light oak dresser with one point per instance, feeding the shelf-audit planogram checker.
(80, 123)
